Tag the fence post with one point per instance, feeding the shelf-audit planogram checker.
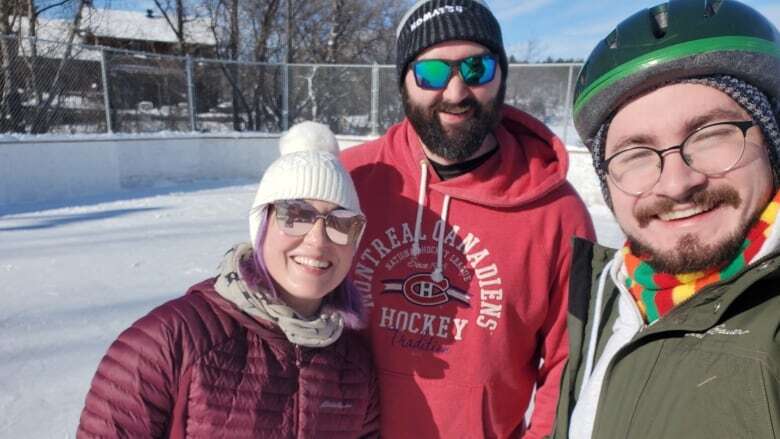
(285, 97)
(106, 91)
(191, 94)
(568, 104)
(375, 99)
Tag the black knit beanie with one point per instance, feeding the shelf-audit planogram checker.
(430, 22)
(750, 98)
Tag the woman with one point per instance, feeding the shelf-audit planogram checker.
(267, 348)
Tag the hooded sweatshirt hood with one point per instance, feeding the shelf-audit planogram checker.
(530, 163)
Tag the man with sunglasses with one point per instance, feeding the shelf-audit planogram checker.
(465, 258)
(676, 334)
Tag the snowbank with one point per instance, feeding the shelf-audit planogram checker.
(59, 168)
(42, 169)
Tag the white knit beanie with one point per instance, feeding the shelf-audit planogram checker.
(308, 168)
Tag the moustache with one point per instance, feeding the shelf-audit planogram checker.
(706, 199)
(466, 104)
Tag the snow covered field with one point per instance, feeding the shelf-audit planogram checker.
(73, 275)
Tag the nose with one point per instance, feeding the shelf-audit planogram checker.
(678, 181)
(456, 90)
(316, 236)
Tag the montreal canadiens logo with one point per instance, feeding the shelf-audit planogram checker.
(421, 289)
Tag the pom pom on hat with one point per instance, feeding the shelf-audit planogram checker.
(308, 136)
(308, 168)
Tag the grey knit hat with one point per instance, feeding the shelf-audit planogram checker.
(430, 22)
(756, 103)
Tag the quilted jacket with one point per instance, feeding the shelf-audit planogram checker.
(198, 367)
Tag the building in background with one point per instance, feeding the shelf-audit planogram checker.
(52, 82)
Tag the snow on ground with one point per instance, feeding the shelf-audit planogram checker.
(73, 275)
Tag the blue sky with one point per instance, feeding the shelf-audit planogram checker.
(557, 28)
(571, 28)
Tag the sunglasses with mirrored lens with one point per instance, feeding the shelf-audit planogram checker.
(297, 217)
(435, 74)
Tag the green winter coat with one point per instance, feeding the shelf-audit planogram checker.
(709, 369)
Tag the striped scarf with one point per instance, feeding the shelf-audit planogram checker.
(657, 293)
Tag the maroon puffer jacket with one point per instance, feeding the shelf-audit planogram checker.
(198, 367)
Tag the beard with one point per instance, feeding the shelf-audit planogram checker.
(458, 143)
(690, 254)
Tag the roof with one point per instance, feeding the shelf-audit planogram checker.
(134, 25)
(127, 25)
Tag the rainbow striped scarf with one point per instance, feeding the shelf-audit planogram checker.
(657, 293)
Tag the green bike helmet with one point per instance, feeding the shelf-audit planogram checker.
(673, 40)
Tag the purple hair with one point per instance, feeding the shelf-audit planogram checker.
(344, 299)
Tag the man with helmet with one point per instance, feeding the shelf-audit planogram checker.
(676, 335)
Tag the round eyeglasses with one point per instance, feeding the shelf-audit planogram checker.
(711, 150)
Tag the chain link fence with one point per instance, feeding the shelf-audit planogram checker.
(50, 87)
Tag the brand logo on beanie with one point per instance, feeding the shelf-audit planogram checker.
(441, 10)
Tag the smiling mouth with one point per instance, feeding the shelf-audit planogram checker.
(311, 262)
(699, 203)
(457, 111)
(685, 213)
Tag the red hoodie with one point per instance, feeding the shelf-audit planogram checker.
(458, 329)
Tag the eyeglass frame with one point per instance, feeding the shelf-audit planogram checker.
(743, 125)
(317, 216)
(454, 66)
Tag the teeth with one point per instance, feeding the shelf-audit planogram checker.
(458, 111)
(680, 214)
(311, 262)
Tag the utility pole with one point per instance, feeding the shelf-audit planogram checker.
(288, 33)
(286, 71)
(234, 70)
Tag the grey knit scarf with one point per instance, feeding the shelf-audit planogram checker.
(319, 332)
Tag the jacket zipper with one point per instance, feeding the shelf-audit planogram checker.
(297, 399)
(635, 340)
(638, 337)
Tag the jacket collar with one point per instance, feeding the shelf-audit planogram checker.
(530, 163)
(701, 312)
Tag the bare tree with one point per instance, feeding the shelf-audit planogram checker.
(341, 32)
(347, 31)
(299, 31)
(11, 111)
(247, 31)
(22, 63)
(48, 91)
(338, 24)
(264, 27)
(173, 12)
(530, 51)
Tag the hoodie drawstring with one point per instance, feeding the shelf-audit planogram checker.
(594, 329)
(420, 206)
(438, 274)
